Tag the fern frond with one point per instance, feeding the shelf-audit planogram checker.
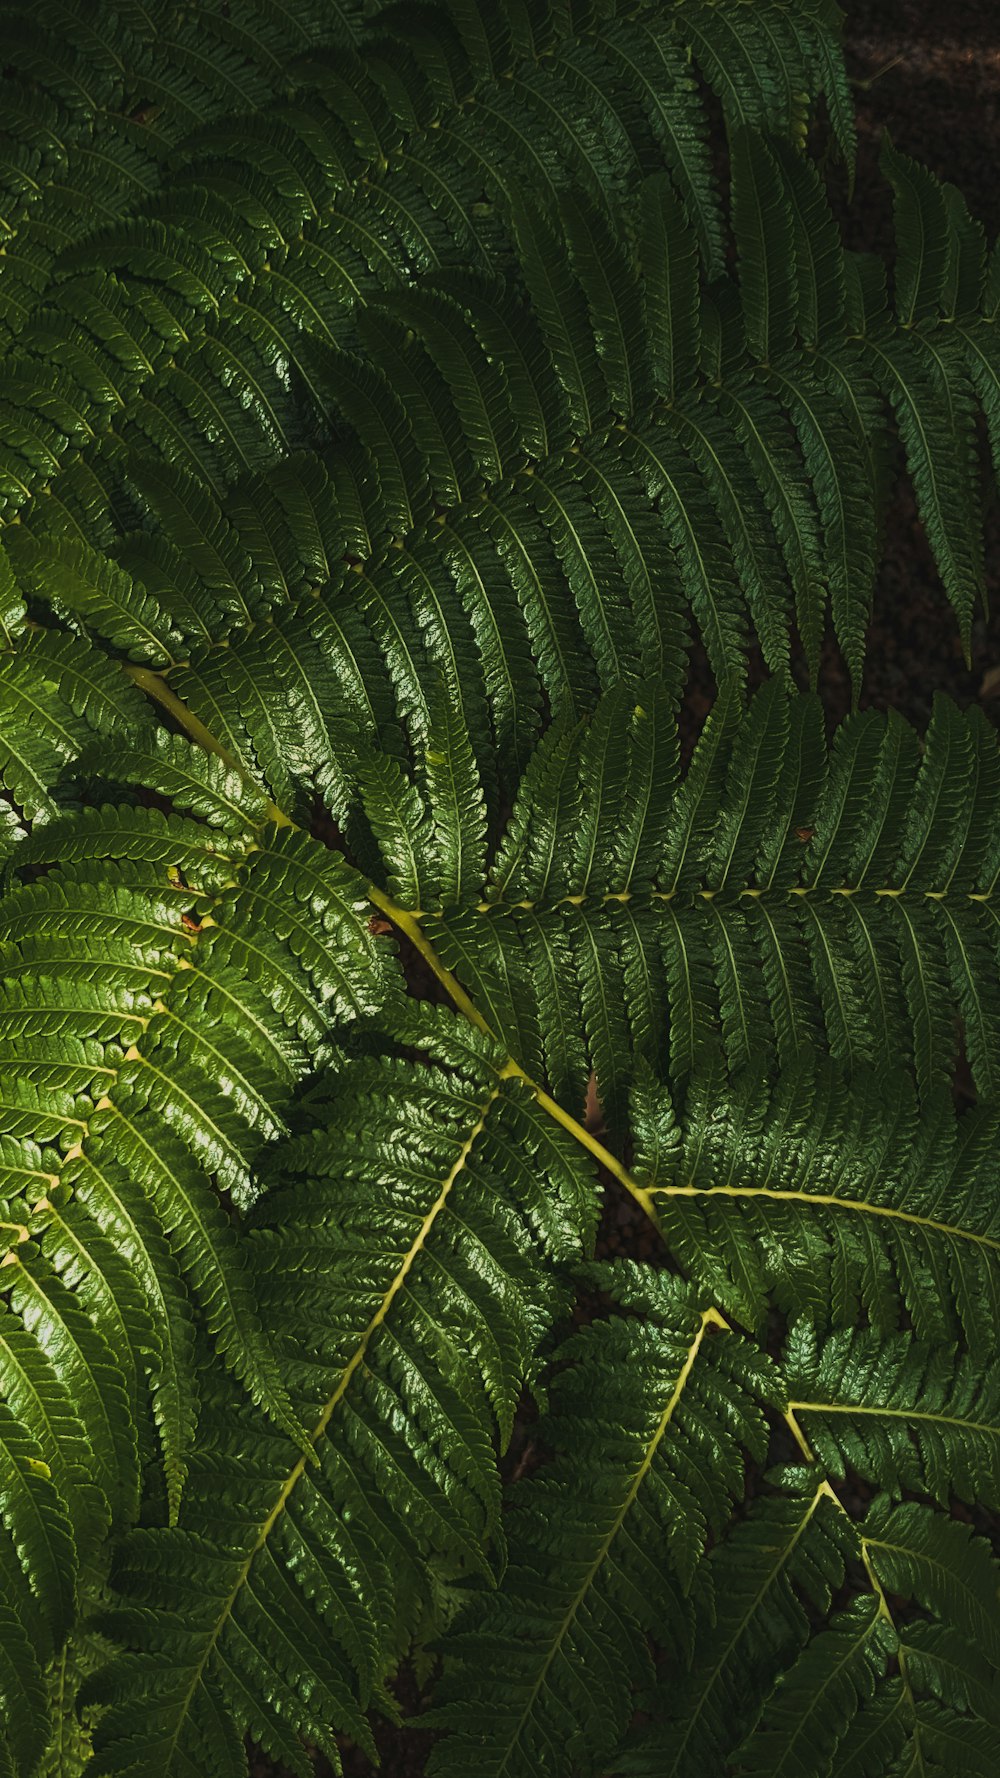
(422, 1187)
(92, 114)
(922, 236)
(392, 397)
(861, 1695)
(167, 1024)
(925, 1557)
(780, 894)
(931, 399)
(753, 1600)
(640, 1432)
(806, 1207)
(720, 489)
(915, 1417)
(214, 378)
(56, 695)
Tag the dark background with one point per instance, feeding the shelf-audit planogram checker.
(941, 104)
(929, 73)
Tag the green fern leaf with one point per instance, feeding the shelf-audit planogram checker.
(788, 1554)
(921, 236)
(392, 400)
(910, 1416)
(935, 1242)
(628, 1475)
(429, 1343)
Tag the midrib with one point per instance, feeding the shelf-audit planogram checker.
(307, 1458)
(882, 1413)
(828, 1200)
(710, 1317)
(824, 1491)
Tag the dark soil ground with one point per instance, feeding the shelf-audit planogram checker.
(929, 73)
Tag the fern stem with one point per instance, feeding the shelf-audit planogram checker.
(910, 1415)
(310, 1454)
(155, 686)
(797, 1433)
(876, 1585)
(602, 1155)
(409, 925)
(830, 1201)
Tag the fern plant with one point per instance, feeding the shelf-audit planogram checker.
(393, 397)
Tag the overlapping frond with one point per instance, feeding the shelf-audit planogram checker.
(781, 894)
(176, 974)
(643, 445)
(95, 101)
(403, 1260)
(160, 1026)
(919, 1417)
(337, 185)
(390, 399)
(831, 1204)
(765, 1672)
(644, 1428)
(57, 696)
(874, 1690)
